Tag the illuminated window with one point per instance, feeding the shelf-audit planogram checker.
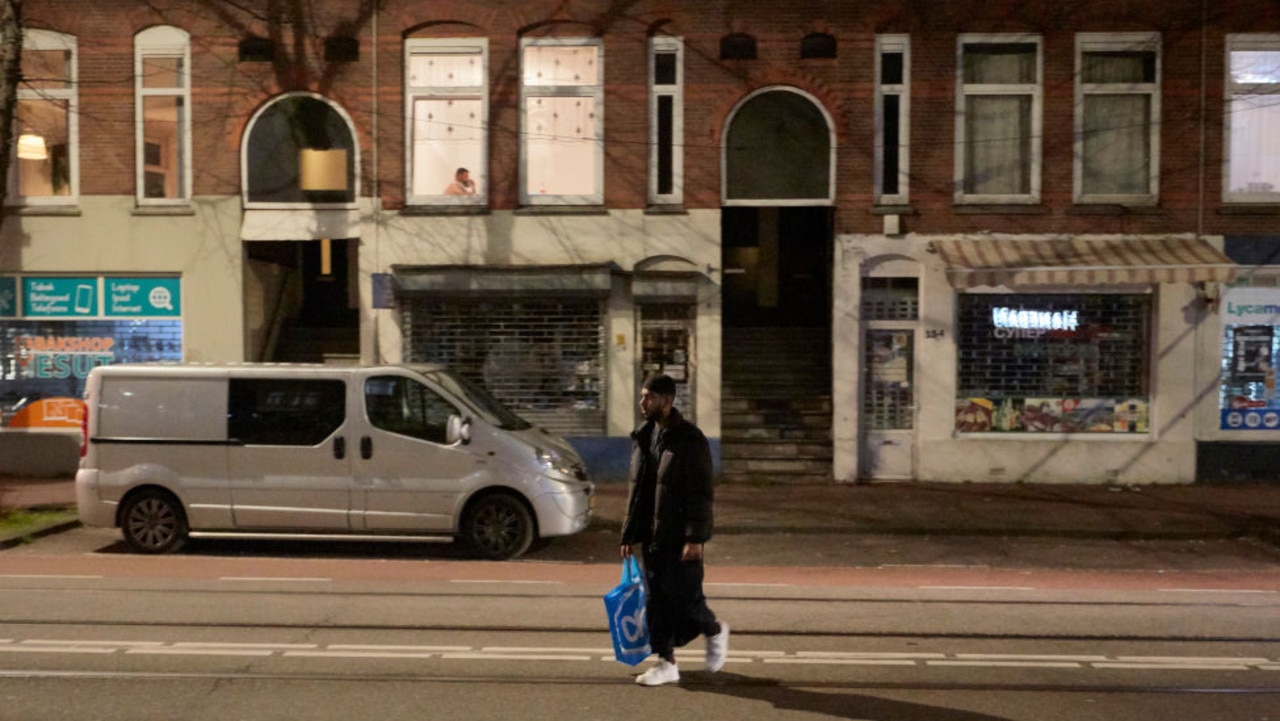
(446, 85)
(562, 124)
(998, 120)
(162, 70)
(1252, 172)
(46, 144)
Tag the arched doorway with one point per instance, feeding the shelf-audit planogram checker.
(300, 176)
(777, 230)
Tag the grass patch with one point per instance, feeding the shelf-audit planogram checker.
(19, 523)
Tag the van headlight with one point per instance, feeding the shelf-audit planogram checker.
(553, 461)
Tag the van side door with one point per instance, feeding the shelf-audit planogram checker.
(408, 476)
(290, 468)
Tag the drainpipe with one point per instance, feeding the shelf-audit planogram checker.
(376, 351)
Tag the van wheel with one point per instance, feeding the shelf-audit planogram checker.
(498, 527)
(153, 522)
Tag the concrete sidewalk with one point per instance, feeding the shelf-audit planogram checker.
(939, 509)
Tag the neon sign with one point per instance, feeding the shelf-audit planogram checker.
(1022, 319)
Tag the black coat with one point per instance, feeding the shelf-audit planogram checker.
(670, 505)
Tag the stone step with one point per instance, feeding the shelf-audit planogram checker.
(747, 404)
(780, 419)
(765, 433)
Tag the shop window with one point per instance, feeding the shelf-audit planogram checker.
(542, 358)
(1248, 400)
(667, 332)
(1064, 363)
(893, 113)
(666, 121)
(1117, 104)
(562, 104)
(998, 119)
(1252, 173)
(446, 84)
(279, 412)
(162, 87)
(46, 142)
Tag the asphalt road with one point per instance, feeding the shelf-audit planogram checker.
(243, 631)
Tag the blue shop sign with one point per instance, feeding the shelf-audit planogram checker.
(143, 297)
(61, 297)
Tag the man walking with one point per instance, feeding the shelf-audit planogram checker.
(669, 516)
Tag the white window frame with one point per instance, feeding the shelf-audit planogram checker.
(1240, 42)
(664, 45)
(163, 42)
(595, 92)
(1035, 91)
(447, 46)
(1112, 42)
(36, 39)
(900, 44)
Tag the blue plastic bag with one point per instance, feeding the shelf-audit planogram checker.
(628, 625)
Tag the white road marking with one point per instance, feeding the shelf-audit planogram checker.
(393, 649)
(1190, 659)
(46, 576)
(494, 580)
(976, 588)
(256, 579)
(1173, 666)
(843, 661)
(1028, 657)
(514, 657)
(200, 652)
(865, 655)
(754, 585)
(356, 654)
(252, 646)
(1217, 590)
(56, 649)
(1006, 664)
(59, 642)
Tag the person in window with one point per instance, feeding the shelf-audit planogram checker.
(462, 184)
(669, 517)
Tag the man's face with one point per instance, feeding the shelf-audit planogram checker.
(654, 406)
(463, 176)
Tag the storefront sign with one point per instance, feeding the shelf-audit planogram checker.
(8, 296)
(143, 297)
(1251, 306)
(1023, 319)
(44, 297)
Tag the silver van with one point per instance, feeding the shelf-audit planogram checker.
(172, 451)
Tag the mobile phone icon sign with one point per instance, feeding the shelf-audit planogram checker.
(84, 298)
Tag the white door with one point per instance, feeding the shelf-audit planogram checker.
(888, 404)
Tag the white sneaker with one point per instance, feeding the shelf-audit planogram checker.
(718, 648)
(663, 672)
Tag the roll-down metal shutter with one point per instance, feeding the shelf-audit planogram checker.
(544, 358)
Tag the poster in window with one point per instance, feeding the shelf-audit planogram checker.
(1042, 414)
(1088, 415)
(1252, 362)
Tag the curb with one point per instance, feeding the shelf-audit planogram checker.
(38, 532)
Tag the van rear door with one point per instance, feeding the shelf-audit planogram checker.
(289, 465)
(408, 477)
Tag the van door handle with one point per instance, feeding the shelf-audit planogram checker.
(340, 447)
(366, 447)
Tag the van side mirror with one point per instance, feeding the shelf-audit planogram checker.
(459, 430)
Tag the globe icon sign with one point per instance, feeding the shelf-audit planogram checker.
(161, 298)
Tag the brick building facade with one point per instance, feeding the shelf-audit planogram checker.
(932, 240)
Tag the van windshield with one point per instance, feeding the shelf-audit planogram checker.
(479, 399)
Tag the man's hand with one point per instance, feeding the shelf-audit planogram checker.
(692, 552)
(625, 551)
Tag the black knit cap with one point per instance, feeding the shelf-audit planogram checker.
(660, 384)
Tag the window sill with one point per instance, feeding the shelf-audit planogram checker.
(1250, 209)
(62, 211)
(1001, 209)
(1115, 209)
(666, 210)
(562, 210)
(433, 210)
(163, 210)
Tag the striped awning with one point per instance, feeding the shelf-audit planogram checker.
(1082, 261)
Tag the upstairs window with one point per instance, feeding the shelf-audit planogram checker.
(300, 153)
(738, 46)
(998, 119)
(666, 121)
(1252, 172)
(45, 165)
(893, 111)
(1117, 118)
(162, 92)
(562, 102)
(447, 86)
